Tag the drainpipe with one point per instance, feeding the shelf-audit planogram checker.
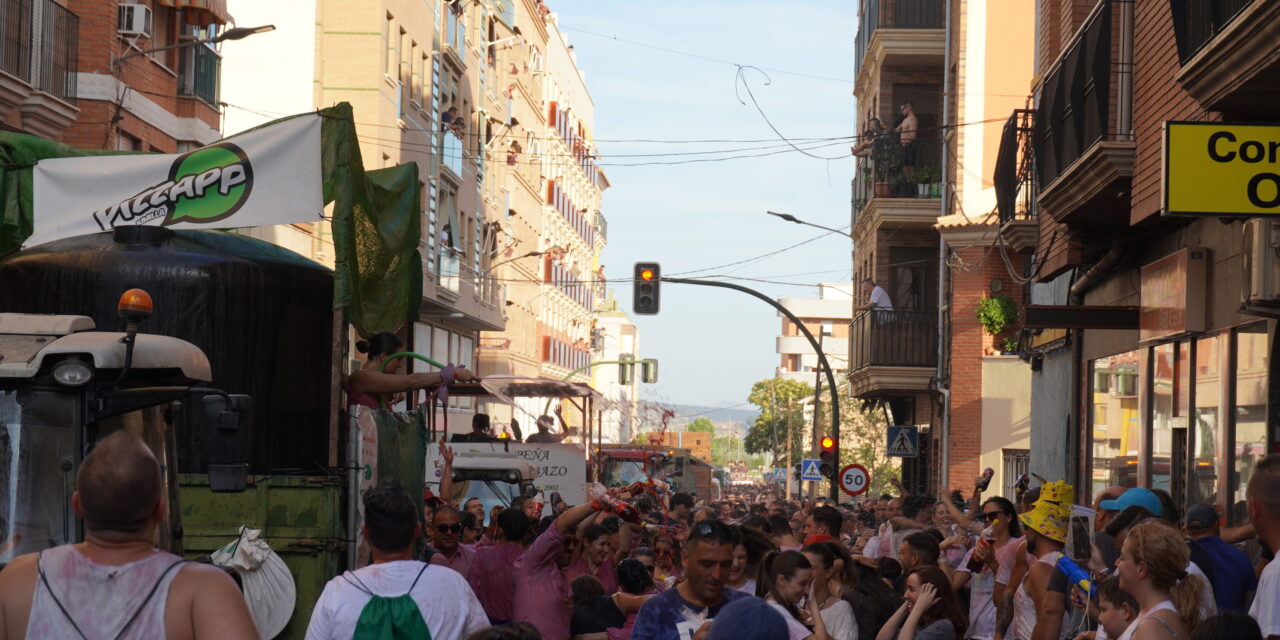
(944, 390)
(1089, 277)
(1124, 93)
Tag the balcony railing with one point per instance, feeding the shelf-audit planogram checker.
(1196, 22)
(602, 226)
(895, 14)
(200, 68)
(487, 290)
(1076, 110)
(451, 152)
(889, 169)
(60, 31)
(1015, 176)
(15, 38)
(898, 338)
(449, 268)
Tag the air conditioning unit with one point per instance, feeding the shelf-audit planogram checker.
(134, 20)
(1261, 258)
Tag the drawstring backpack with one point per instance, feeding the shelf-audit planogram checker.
(389, 618)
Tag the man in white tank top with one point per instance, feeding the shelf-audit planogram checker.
(115, 585)
(1038, 612)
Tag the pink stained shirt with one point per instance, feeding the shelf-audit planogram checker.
(542, 595)
(490, 577)
(606, 572)
(460, 562)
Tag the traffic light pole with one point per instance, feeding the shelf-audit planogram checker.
(822, 359)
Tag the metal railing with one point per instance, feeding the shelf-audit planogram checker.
(884, 172)
(1076, 107)
(451, 152)
(15, 38)
(449, 269)
(60, 32)
(487, 290)
(897, 338)
(602, 226)
(200, 69)
(1015, 175)
(895, 14)
(1196, 22)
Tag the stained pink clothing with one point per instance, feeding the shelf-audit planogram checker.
(606, 572)
(460, 562)
(101, 598)
(542, 594)
(490, 577)
(623, 632)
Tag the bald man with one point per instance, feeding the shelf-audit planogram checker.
(1262, 499)
(115, 583)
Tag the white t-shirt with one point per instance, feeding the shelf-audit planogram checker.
(1266, 601)
(795, 629)
(880, 299)
(839, 620)
(982, 605)
(748, 587)
(447, 602)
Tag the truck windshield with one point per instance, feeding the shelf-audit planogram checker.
(37, 470)
(491, 494)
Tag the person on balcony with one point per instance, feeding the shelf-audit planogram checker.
(875, 129)
(878, 298)
(907, 131)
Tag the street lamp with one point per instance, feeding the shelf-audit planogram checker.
(790, 218)
(527, 255)
(236, 33)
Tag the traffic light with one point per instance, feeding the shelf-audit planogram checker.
(649, 371)
(626, 369)
(647, 277)
(827, 457)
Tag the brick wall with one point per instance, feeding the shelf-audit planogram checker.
(154, 77)
(970, 282)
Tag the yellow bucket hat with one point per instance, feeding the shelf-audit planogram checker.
(1052, 511)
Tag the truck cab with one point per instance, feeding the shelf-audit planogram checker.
(495, 478)
(63, 385)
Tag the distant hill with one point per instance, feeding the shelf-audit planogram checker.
(685, 412)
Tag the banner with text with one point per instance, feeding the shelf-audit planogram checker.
(266, 176)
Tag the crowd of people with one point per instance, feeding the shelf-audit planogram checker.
(636, 562)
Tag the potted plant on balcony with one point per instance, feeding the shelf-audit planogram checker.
(1009, 346)
(927, 181)
(885, 155)
(997, 314)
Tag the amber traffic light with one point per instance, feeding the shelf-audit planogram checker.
(648, 275)
(827, 457)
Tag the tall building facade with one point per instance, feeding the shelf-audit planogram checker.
(929, 77)
(827, 318)
(77, 71)
(617, 338)
(1155, 347)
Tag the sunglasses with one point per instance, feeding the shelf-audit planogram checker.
(992, 515)
(449, 528)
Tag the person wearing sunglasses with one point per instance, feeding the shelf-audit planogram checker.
(446, 537)
(984, 561)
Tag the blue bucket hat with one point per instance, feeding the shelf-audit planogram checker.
(748, 619)
(1136, 496)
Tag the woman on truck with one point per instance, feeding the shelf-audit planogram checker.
(371, 384)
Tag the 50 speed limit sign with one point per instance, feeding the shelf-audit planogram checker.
(854, 479)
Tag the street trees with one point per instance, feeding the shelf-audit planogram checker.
(781, 416)
(702, 424)
(864, 428)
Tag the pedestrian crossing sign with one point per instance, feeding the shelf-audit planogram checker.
(904, 441)
(780, 474)
(810, 471)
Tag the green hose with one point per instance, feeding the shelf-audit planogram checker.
(403, 354)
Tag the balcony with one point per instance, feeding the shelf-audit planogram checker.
(451, 153)
(900, 32)
(1230, 55)
(602, 227)
(455, 37)
(888, 191)
(1015, 182)
(449, 268)
(1084, 166)
(38, 54)
(200, 67)
(893, 351)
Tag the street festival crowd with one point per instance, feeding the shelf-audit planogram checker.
(644, 563)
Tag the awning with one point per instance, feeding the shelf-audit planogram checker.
(201, 12)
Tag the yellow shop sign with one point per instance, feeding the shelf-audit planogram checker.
(1221, 169)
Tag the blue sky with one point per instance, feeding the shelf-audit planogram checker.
(712, 343)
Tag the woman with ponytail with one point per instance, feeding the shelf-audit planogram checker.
(1153, 567)
(786, 578)
(371, 383)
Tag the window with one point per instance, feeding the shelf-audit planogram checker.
(827, 327)
(1204, 445)
(1250, 382)
(1162, 415)
(392, 58)
(413, 88)
(1017, 463)
(1115, 444)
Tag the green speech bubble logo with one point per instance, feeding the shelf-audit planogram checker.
(211, 183)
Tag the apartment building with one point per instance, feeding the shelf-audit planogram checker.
(617, 338)
(74, 71)
(827, 318)
(930, 74)
(1154, 338)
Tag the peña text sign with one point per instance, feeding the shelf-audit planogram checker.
(1221, 169)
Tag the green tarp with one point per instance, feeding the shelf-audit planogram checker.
(376, 219)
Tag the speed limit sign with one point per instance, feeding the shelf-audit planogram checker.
(854, 479)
